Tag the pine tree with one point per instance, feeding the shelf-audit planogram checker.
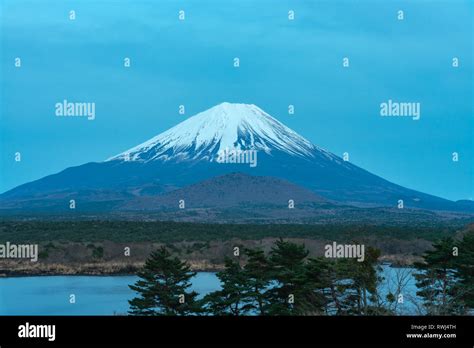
(232, 299)
(437, 279)
(257, 272)
(464, 263)
(164, 287)
(288, 296)
(365, 279)
(321, 284)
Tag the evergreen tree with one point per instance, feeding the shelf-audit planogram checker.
(232, 299)
(321, 293)
(164, 287)
(365, 280)
(288, 296)
(437, 279)
(330, 281)
(464, 263)
(257, 271)
(356, 284)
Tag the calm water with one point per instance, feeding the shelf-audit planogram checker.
(107, 295)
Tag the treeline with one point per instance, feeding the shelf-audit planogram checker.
(288, 282)
(171, 232)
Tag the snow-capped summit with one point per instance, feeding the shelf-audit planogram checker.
(224, 126)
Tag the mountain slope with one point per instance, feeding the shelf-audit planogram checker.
(229, 190)
(189, 153)
(221, 127)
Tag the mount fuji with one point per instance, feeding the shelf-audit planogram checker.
(186, 155)
(222, 127)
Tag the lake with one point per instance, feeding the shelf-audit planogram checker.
(108, 295)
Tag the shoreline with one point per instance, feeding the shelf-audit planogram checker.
(106, 269)
(102, 269)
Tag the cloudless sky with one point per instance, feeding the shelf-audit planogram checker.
(282, 62)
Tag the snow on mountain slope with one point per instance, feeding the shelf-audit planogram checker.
(224, 126)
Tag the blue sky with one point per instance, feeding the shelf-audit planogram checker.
(282, 62)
